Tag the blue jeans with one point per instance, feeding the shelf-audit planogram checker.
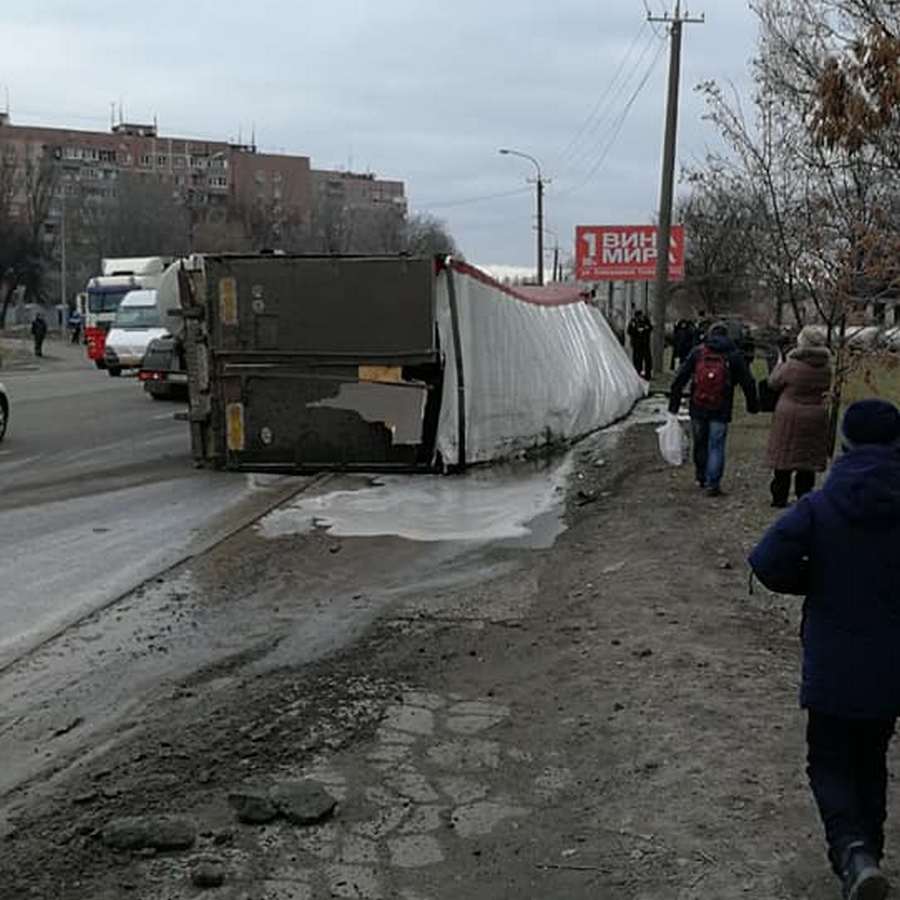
(709, 450)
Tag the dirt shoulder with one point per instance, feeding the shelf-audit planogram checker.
(615, 717)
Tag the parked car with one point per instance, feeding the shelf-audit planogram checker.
(4, 411)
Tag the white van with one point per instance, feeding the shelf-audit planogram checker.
(138, 321)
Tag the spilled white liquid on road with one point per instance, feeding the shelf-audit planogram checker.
(501, 503)
(517, 501)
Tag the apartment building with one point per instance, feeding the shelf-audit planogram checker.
(268, 198)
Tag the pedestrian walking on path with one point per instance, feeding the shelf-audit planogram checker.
(714, 370)
(639, 331)
(798, 441)
(838, 548)
(684, 339)
(39, 332)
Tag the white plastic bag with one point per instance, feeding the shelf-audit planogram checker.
(671, 441)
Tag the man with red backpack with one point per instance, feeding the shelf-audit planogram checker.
(714, 369)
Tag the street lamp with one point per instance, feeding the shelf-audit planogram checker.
(505, 151)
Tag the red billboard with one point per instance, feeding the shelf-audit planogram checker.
(624, 253)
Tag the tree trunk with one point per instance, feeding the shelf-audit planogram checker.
(7, 300)
(840, 379)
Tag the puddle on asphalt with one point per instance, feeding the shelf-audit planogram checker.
(520, 502)
(501, 503)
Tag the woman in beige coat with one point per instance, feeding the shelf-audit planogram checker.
(798, 442)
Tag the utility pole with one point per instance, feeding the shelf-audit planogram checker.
(62, 265)
(667, 188)
(540, 228)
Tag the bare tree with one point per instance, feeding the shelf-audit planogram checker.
(139, 216)
(27, 188)
(719, 220)
(427, 235)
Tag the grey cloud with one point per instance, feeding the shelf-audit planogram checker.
(423, 91)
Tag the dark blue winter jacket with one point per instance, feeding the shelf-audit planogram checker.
(840, 547)
(738, 374)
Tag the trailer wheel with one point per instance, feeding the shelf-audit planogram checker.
(99, 364)
(114, 371)
(4, 417)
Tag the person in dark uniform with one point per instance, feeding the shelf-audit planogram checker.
(39, 332)
(683, 340)
(639, 332)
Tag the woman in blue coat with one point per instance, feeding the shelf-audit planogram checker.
(840, 548)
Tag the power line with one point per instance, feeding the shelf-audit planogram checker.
(604, 95)
(582, 155)
(619, 123)
(483, 198)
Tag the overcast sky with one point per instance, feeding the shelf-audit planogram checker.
(419, 90)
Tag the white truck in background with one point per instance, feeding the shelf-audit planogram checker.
(163, 371)
(105, 292)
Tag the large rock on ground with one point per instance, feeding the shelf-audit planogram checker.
(253, 805)
(208, 873)
(303, 802)
(149, 832)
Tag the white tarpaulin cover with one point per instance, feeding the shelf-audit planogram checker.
(539, 366)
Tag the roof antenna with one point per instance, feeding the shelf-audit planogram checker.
(112, 115)
(253, 137)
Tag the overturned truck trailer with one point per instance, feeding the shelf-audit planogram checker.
(299, 363)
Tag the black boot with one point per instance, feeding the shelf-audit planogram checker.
(862, 878)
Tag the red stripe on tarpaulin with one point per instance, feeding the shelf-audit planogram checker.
(549, 295)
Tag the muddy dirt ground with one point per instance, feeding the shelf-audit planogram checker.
(613, 717)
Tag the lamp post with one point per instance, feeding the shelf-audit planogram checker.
(505, 151)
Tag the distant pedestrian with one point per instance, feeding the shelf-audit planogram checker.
(798, 441)
(39, 332)
(639, 331)
(714, 370)
(767, 341)
(75, 325)
(683, 341)
(838, 548)
(704, 323)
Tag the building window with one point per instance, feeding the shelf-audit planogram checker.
(178, 161)
(260, 176)
(147, 160)
(161, 160)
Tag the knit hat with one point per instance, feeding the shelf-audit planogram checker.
(871, 422)
(810, 336)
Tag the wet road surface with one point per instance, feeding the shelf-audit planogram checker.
(97, 493)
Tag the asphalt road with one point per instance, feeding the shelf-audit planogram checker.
(97, 493)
